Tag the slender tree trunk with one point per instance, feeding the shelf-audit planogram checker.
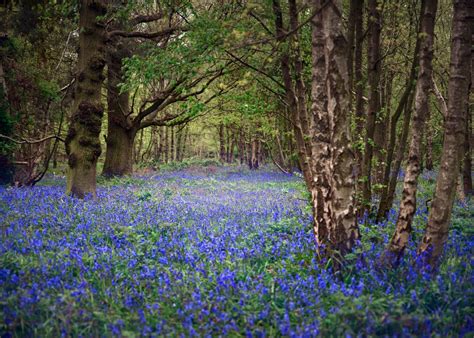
(185, 141)
(241, 147)
(300, 88)
(436, 232)
(172, 147)
(166, 145)
(221, 143)
(358, 78)
(407, 210)
(82, 142)
(179, 135)
(374, 67)
(291, 99)
(405, 103)
(401, 149)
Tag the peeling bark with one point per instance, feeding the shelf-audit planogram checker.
(333, 188)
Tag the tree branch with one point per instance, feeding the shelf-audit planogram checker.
(147, 35)
(25, 141)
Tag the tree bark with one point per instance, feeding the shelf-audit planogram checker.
(291, 98)
(221, 143)
(403, 105)
(436, 232)
(119, 152)
(467, 146)
(358, 78)
(374, 67)
(333, 194)
(82, 142)
(407, 210)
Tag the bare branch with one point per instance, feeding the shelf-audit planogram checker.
(147, 35)
(25, 141)
(146, 18)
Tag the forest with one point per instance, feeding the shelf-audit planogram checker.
(236, 168)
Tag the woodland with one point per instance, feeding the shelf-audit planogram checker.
(257, 168)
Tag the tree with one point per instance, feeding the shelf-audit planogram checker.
(423, 85)
(373, 70)
(436, 231)
(335, 221)
(82, 142)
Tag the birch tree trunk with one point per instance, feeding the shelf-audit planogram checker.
(333, 193)
(408, 202)
(436, 232)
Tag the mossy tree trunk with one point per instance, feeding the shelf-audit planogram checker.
(82, 142)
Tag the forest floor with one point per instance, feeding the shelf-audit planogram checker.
(214, 252)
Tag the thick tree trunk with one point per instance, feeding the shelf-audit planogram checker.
(333, 192)
(82, 142)
(120, 138)
(436, 232)
(467, 156)
(374, 67)
(320, 135)
(120, 152)
(407, 210)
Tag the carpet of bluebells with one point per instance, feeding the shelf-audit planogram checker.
(222, 252)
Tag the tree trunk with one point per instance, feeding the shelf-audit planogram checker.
(221, 143)
(436, 232)
(82, 142)
(241, 147)
(291, 99)
(407, 210)
(374, 67)
(172, 148)
(166, 145)
(138, 151)
(120, 139)
(429, 142)
(337, 226)
(358, 79)
(467, 158)
(404, 104)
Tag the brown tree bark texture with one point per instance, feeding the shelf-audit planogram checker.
(408, 201)
(82, 142)
(436, 231)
